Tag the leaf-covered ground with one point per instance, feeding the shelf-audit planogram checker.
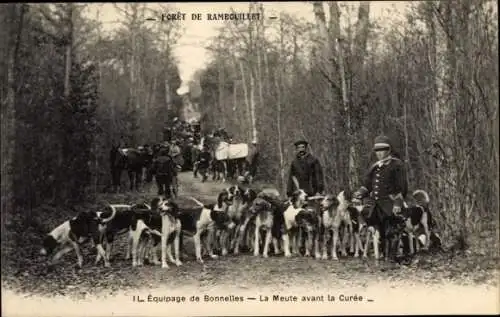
(24, 271)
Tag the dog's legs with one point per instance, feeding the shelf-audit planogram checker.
(276, 246)
(369, 234)
(141, 249)
(335, 242)
(109, 244)
(317, 254)
(256, 240)
(356, 247)
(177, 242)
(135, 245)
(325, 243)
(209, 241)
(267, 242)
(60, 253)
(308, 244)
(376, 239)
(130, 238)
(224, 242)
(241, 236)
(297, 242)
(345, 233)
(286, 244)
(425, 225)
(411, 238)
(352, 238)
(165, 229)
(169, 254)
(197, 246)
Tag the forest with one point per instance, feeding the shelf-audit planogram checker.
(69, 91)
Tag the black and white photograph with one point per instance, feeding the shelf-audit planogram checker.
(249, 158)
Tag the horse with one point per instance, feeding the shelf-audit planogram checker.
(133, 161)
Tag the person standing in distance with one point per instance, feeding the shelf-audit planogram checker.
(306, 172)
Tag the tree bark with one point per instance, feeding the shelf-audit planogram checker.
(16, 14)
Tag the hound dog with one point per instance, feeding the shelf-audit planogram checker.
(229, 200)
(203, 222)
(363, 217)
(339, 213)
(238, 212)
(161, 224)
(268, 211)
(119, 225)
(309, 221)
(247, 198)
(72, 233)
(417, 218)
(297, 203)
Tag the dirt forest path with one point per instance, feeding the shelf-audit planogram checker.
(246, 273)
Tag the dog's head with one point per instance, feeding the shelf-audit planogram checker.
(329, 202)
(49, 244)
(260, 205)
(169, 207)
(224, 198)
(248, 196)
(155, 202)
(298, 198)
(234, 191)
(307, 219)
(221, 219)
(345, 197)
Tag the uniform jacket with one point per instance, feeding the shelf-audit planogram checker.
(309, 173)
(385, 183)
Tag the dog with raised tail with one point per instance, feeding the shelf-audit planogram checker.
(74, 232)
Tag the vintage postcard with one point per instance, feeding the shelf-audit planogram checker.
(250, 158)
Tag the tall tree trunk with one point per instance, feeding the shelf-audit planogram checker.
(16, 14)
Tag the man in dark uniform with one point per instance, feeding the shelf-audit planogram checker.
(306, 172)
(164, 167)
(384, 188)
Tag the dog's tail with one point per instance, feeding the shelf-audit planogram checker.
(196, 201)
(113, 214)
(421, 198)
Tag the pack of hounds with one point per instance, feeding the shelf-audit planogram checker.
(244, 219)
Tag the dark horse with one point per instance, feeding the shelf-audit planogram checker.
(133, 161)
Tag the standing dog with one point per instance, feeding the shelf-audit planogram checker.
(418, 217)
(203, 221)
(297, 203)
(72, 233)
(247, 198)
(267, 210)
(119, 225)
(337, 214)
(162, 224)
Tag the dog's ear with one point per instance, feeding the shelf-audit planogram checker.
(154, 203)
(348, 194)
(220, 198)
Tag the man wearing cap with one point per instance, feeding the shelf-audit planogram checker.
(306, 172)
(385, 184)
(163, 168)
